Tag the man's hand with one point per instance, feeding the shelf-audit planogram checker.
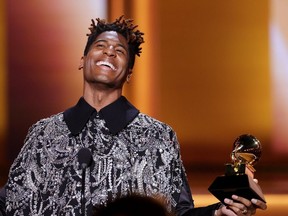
(239, 206)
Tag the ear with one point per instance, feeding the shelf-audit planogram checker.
(129, 74)
(81, 63)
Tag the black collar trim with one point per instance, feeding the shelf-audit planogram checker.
(117, 115)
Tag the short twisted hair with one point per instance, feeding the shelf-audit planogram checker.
(124, 27)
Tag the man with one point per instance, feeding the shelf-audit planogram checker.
(131, 152)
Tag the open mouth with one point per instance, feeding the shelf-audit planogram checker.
(106, 64)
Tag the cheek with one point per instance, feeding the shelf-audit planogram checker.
(125, 63)
(88, 63)
(123, 74)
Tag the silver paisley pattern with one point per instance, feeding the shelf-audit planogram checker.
(45, 178)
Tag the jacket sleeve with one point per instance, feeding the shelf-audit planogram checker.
(185, 204)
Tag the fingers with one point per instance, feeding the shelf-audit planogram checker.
(226, 211)
(259, 204)
(233, 211)
(243, 201)
(253, 204)
(241, 206)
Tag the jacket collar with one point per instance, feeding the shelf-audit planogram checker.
(117, 115)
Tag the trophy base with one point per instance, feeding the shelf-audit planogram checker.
(240, 185)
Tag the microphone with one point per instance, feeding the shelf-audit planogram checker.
(85, 160)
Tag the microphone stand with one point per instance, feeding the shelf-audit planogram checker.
(83, 200)
(85, 160)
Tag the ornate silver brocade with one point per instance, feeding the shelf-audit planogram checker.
(45, 178)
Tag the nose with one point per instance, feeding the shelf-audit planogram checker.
(109, 51)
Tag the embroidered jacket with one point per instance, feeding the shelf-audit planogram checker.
(132, 153)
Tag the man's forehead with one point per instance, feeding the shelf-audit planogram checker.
(111, 35)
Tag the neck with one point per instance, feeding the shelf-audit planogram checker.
(100, 98)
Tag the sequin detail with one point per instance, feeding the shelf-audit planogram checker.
(45, 178)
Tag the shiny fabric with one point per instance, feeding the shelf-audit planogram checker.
(132, 153)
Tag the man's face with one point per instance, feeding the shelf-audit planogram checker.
(106, 63)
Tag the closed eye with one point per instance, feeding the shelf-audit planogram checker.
(100, 45)
(120, 51)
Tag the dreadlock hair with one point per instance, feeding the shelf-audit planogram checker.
(122, 26)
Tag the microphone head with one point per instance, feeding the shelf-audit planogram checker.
(84, 157)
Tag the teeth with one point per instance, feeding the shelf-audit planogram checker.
(99, 63)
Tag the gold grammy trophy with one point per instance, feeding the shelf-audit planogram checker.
(238, 178)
